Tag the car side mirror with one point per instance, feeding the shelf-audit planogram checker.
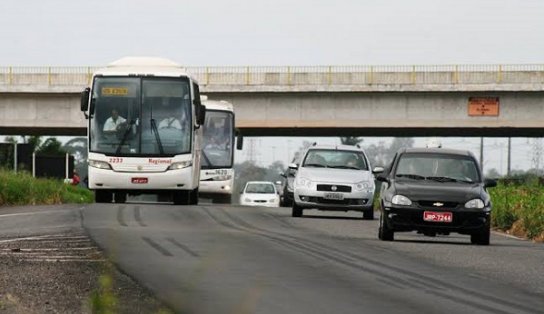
(377, 170)
(489, 183)
(283, 175)
(293, 166)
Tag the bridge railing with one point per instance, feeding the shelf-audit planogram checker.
(304, 75)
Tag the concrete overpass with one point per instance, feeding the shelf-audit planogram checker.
(470, 100)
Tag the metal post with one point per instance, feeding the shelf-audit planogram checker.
(482, 154)
(66, 165)
(509, 163)
(15, 157)
(34, 165)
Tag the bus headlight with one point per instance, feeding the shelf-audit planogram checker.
(180, 165)
(99, 164)
(222, 178)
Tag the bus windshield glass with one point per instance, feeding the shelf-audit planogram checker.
(218, 139)
(135, 116)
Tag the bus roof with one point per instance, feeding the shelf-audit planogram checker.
(143, 66)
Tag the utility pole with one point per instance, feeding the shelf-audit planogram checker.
(482, 154)
(509, 162)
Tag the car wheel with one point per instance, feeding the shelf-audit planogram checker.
(193, 197)
(297, 210)
(120, 197)
(368, 214)
(101, 196)
(384, 232)
(482, 237)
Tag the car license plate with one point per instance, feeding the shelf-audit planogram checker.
(333, 196)
(438, 216)
(139, 180)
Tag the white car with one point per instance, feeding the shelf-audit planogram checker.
(260, 193)
(335, 178)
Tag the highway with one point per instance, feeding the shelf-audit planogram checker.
(228, 259)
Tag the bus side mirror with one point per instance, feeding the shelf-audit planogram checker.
(201, 114)
(85, 101)
(239, 140)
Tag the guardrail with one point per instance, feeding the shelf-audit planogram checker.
(304, 75)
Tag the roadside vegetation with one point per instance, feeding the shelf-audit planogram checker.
(22, 189)
(518, 207)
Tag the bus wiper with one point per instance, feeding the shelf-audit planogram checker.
(157, 137)
(125, 136)
(411, 176)
(206, 158)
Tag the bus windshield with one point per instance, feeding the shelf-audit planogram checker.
(218, 139)
(137, 116)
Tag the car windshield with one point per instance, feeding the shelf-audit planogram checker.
(141, 116)
(218, 138)
(261, 188)
(438, 167)
(332, 158)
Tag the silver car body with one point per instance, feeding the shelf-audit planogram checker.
(333, 188)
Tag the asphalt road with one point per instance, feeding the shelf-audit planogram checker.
(222, 259)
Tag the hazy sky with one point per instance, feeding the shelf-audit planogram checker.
(257, 32)
(281, 32)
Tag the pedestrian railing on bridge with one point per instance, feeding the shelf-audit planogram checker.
(303, 75)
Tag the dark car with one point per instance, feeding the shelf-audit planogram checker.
(287, 187)
(435, 191)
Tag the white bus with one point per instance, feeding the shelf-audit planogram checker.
(144, 131)
(216, 174)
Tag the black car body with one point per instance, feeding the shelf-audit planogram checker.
(287, 188)
(435, 191)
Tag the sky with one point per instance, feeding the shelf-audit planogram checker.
(280, 32)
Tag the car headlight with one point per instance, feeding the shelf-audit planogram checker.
(475, 203)
(363, 185)
(99, 164)
(180, 165)
(401, 200)
(304, 182)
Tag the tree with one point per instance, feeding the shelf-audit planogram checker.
(51, 146)
(351, 140)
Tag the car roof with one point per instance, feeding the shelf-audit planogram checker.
(337, 147)
(445, 151)
(260, 182)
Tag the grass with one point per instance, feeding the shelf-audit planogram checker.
(22, 189)
(519, 204)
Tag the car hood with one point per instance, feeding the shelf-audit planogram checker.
(259, 196)
(331, 175)
(432, 190)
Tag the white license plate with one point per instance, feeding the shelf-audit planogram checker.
(333, 196)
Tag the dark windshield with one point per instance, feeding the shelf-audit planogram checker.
(437, 166)
(218, 138)
(331, 158)
(141, 116)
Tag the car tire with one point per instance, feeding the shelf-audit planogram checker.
(120, 197)
(297, 210)
(384, 232)
(102, 196)
(368, 214)
(481, 237)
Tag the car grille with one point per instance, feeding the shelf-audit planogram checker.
(431, 204)
(347, 201)
(328, 188)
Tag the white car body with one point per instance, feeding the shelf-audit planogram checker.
(272, 199)
(335, 189)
